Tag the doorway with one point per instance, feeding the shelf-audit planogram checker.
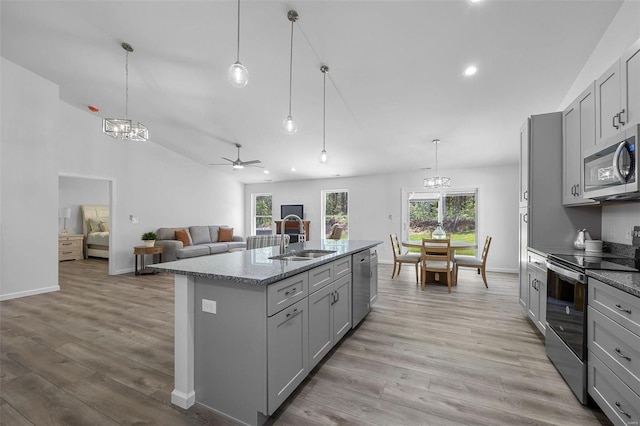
(77, 190)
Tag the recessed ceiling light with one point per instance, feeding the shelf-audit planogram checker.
(475, 1)
(293, 169)
(266, 172)
(471, 70)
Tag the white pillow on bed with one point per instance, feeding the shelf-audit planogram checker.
(94, 223)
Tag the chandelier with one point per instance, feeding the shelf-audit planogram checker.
(437, 181)
(123, 128)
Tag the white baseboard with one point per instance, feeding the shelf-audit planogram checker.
(29, 292)
(182, 399)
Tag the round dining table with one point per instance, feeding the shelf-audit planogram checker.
(455, 245)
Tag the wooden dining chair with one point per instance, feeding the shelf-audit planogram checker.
(436, 257)
(474, 262)
(399, 258)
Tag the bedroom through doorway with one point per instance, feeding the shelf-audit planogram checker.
(84, 206)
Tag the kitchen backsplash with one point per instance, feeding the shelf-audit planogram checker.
(625, 250)
(618, 221)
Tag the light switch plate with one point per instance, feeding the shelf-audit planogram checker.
(636, 236)
(209, 306)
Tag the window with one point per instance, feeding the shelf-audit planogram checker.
(262, 220)
(335, 209)
(455, 210)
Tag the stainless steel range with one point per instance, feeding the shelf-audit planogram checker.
(566, 337)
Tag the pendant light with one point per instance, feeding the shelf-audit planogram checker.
(324, 157)
(123, 128)
(437, 181)
(238, 74)
(289, 125)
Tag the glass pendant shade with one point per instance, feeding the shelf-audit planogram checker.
(290, 126)
(238, 75)
(323, 158)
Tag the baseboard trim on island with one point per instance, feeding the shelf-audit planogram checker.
(182, 399)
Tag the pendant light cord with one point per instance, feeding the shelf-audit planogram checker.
(238, 44)
(126, 86)
(291, 67)
(324, 107)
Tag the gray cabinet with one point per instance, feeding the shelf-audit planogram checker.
(579, 123)
(537, 279)
(524, 164)
(329, 317)
(618, 95)
(288, 356)
(613, 341)
(373, 285)
(544, 220)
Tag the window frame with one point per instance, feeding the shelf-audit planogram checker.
(254, 216)
(323, 218)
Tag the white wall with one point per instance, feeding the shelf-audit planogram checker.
(624, 30)
(156, 185)
(74, 192)
(373, 198)
(29, 194)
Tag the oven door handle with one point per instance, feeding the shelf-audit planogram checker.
(567, 273)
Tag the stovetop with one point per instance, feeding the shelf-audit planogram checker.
(598, 261)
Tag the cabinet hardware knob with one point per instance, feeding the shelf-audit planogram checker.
(619, 407)
(66, 244)
(526, 218)
(525, 195)
(613, 122)
(620, 308)
(67, 252)
(621, 355)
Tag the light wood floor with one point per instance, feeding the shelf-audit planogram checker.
(100, 352)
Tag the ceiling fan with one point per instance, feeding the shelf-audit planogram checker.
(238, 163)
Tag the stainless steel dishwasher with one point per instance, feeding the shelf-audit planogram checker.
(361, 283)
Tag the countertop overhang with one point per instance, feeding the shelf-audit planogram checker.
(254, 266)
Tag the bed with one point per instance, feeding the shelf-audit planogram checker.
(95, 227)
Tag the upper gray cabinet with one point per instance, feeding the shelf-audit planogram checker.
(524, 164)
(618, 95)
(579, 132)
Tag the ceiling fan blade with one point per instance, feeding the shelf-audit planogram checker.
(219, 164)
(253, 165)
(225, 158)
(248, 163)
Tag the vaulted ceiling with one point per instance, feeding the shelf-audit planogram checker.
(396, 75)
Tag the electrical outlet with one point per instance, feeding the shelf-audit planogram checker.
(209, 306)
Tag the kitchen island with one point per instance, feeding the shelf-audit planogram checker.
(249, 328)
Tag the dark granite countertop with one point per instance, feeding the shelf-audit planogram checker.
(629, 282)
(255, 267)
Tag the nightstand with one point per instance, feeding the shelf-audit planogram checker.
(70, 246)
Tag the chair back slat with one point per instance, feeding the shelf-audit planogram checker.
(485, 249)
(436, 250)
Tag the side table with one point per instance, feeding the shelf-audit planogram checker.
(141, 251)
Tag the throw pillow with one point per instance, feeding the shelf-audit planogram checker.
(104, 226)
(225, 235)
(183, 235)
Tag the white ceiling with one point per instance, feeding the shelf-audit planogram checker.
(396, 75)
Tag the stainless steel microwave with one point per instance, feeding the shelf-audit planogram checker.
(611, 168)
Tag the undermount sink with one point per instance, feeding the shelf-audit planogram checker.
(303, 255)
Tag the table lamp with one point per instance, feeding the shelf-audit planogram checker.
(65, 214)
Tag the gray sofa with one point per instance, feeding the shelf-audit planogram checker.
(203, 242)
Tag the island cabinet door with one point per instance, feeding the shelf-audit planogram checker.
(320, 324)
(341, 308)
(288, 352)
